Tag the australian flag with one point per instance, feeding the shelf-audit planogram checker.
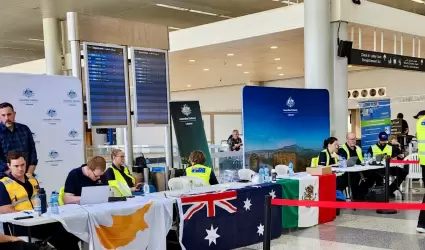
(229, 219)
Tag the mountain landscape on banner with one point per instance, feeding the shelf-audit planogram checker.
(283, 125)
(123, 230)
(228, 220)
(303, 188)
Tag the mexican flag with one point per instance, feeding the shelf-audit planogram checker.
(307, 188)
(300, 188)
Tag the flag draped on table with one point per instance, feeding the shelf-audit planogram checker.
(300, 188)
(129, 226)
(227, 220)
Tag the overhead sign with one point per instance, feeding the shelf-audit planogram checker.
(396, 126)
(150, 78)
(106, 85)
(386, 60)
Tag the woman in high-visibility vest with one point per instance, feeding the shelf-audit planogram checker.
(197, 169)
(329, 154)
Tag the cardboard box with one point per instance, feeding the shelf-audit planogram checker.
(319, 170)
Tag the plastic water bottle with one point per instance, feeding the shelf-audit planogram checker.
(366, 158)
(37, 205)
(342, 162)
(274, 175)
(146, 188)
(291, 169)
(266, 175)
(54, 203)
(261, 173)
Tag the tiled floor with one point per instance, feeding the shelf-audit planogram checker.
(360, 230)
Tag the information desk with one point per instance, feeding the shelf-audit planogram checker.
(227, 219)
(306, 187)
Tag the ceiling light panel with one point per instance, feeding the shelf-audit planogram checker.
(203, 12)
(171, 7)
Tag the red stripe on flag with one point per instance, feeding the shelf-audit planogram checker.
(350, 205)
(404, 161)
(327, 187)
(209, 197)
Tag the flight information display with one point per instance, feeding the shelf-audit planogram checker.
(151, 86)
(106, 82)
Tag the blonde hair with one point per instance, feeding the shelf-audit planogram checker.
(392, 137)
(197, 157)
(97, 162)
(115, 152)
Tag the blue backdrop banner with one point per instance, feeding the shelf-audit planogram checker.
(375, 118)
(283, 124)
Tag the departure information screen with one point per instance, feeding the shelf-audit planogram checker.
(106, 85)
(151, 86)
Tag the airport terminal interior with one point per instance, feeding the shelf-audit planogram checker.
(212, 124)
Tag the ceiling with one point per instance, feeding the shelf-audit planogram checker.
(21, 20)
(255, 59)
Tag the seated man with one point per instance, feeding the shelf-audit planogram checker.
(383, 148)
(14, 243)
(88, 175)
(197, 168)
(17, 193)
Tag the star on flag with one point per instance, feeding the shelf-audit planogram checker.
(272, 194)
(212, 235)
(260, 230)
(247, 204)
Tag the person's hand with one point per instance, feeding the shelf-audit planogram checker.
(13, 239)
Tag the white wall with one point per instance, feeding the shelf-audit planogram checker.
(31, 67)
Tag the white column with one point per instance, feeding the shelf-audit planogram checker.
(52, 46)
(317, 47)
(340, 84)
(317, 65)
(120, 136)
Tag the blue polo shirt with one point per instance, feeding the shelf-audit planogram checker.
(76, 180)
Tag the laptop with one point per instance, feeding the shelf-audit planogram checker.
(95, 195)
(379, 158)
(351, 162)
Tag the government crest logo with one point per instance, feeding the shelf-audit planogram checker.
(73, 133)
(53, 154)
(51, 113)
(186, 110)
(72, 94)
(290, 102)
(28, 93)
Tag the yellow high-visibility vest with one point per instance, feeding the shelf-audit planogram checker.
(328, 157)
(200, 171)
(387, 150)
(358, 151)
(120, 184)
(18, 195)
(420, 136)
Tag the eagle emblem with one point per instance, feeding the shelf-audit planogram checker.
(309, 193)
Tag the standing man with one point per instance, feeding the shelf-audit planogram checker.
(15, 137)
(234, 141)
(420, 136)
(404, 124)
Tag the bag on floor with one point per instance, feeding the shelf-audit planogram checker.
(376, 194)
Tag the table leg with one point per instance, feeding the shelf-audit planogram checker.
(349, 186)
(29, 235)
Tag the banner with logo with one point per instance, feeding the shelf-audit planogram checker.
(52, 107)
(283, 125)
(375, 117)
(189, 128)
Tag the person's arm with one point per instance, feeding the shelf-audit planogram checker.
(342, 153)
(32, 151)
(3, 164)
(71, 189)
(7, 238)
(406, 127)
(5, 202)
(109, 175)
(213, 178)
(322, 159)
(369, 151)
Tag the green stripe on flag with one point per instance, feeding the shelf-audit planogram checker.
(375, 122)
(289, 191)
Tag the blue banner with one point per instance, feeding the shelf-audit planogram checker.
(375, 118)
(281, 125)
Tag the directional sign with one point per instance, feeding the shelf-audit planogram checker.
(386, 60)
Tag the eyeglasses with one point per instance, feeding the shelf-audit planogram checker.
(96, 176)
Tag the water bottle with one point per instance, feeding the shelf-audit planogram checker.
(261, 173)
(274, 175)
(291, 169)
(54, 203)
(341, 162)
(266, 174)
(146, 188)
(37, 205)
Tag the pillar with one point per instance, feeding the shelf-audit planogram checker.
(52, 38)
(120, 136)
(339, 84)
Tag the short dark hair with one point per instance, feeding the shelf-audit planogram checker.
(14, 156)
(400, 116)
(197, 157)
(6, 105)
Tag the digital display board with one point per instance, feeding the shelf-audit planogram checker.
(106, 84)
(150, 79)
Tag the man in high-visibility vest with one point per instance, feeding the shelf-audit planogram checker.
(420, 136)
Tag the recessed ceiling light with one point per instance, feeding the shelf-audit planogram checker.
(230, 54)
(191, 60)
(275, 0)
(246, 72)
(277, 59)
(273, 47)
(206, 69)
(188, 85)
(239, 64)
(281, 74)
(279, 67)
